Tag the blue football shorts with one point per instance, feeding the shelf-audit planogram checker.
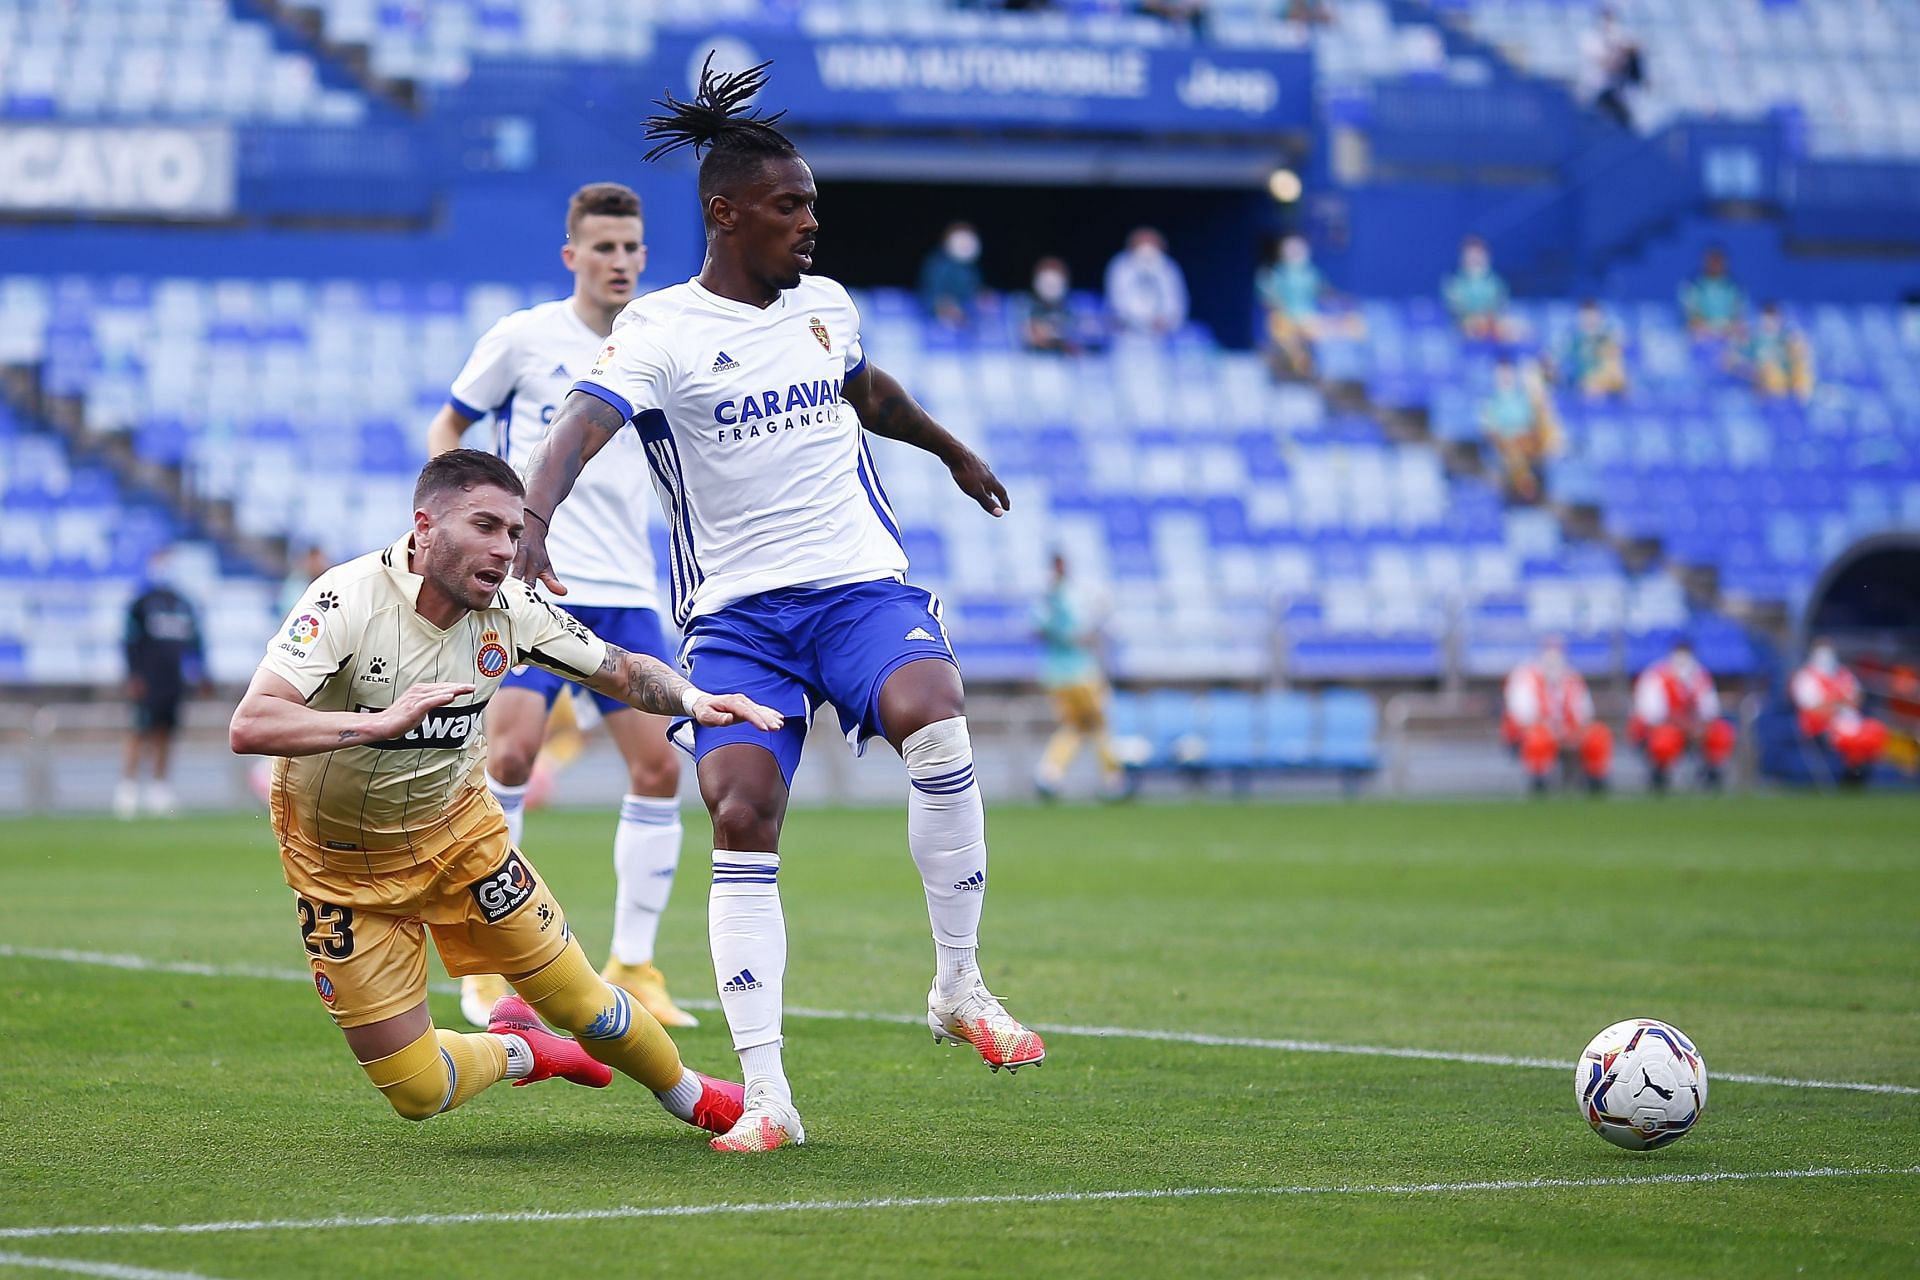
(795, 649)
(635, 630)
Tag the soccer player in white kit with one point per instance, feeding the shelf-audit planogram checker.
(749, 388)
(520, 371)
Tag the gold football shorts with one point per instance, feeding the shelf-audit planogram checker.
(1081, 706)
(364, 917)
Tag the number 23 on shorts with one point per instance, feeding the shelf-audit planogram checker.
(325, 929)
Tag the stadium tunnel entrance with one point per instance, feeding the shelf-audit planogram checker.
(1870, 593)
(1868, 604)
(876, 231)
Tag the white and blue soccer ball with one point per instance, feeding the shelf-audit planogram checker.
(1641, 1084)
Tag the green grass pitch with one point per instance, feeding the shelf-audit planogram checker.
(1782, 934)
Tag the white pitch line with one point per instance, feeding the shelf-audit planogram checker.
(628, 1212)
(80, 1267)
(141, 964)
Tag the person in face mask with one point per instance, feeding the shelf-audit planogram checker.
(1292, 292)
(1476, 295)
(1591, 359)
(1675, 707)
(950, 281)
(1828, 698)
(164, 656)
(1549, 720)
(1146, 290)
(1049, 324)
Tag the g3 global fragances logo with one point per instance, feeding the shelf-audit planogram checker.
(444, 729)
(505, 891)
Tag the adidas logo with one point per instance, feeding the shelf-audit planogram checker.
(921, 633)
(724, 362)
(740, 982)
(975, 883)
(559, 371)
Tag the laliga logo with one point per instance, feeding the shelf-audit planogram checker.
(1207, 87)
(729, 54)
(304, 629)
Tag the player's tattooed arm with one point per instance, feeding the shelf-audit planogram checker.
(274, 720)
(886, 409)
(648, 684)
(582, 429)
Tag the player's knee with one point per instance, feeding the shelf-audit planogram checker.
(937, 748)
(748, 822)
(417, 1081)
(510, 763)
(1718, 741)
(417, 1106)
(655, 777)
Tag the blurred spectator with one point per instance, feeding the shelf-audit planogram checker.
(1675, 707)
(1713, 302)
(1549, 718)
(1187, 13)
(1476, 295)
(1070, 670)
(1048, 324)
(164, 656)
(300, 576)
(1518, 421)
(950, 277)
(1291, 291)
(1146, 291)
(1611, 65)
(1592, 360)
(1775, 357)
(1309, 13)
(1827, 695)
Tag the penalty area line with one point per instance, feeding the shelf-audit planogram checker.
(81, 1267)
(631, 1212)
(142, 964)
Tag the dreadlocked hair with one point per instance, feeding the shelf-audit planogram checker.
(735, 140)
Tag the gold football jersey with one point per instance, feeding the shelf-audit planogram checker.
(355, 642)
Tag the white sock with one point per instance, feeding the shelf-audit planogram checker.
(513, 803)
(519, 1056)
(947, 833)
(646, 853)
(748, 937)
(680, 1099)
(763, 1072)
(956, 968)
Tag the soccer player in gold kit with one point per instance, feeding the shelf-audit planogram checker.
(372, 695)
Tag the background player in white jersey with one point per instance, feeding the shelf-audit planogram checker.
(750, 390)
(520, 371)
(372, 696)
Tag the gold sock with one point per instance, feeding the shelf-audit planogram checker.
(610, 1024)
(437, 1072)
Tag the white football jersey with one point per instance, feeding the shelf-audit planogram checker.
(520, 371)
(762, 469)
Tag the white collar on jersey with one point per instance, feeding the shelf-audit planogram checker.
(734, 305)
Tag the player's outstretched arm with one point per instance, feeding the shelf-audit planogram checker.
(887, 410)
(582, 429)
(274, 720)
(648, 684)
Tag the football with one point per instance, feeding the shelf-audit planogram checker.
(1641, 1084)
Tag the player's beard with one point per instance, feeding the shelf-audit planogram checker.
(453, 574)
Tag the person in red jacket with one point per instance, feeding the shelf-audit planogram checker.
(1676, 707)
(1549, 716)
(1827, 696)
